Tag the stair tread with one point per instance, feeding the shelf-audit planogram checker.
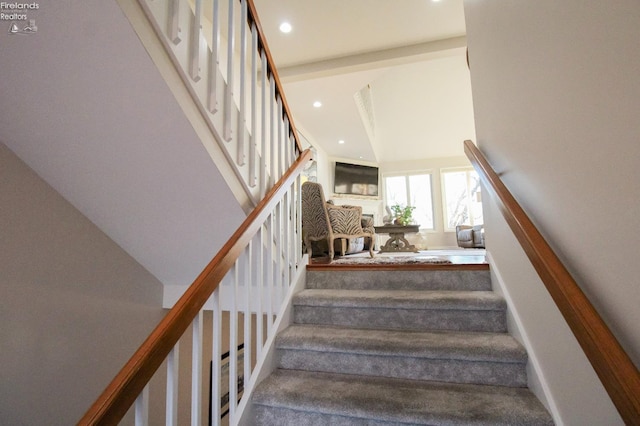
(470, 346)
(402, 299)
(400, 400)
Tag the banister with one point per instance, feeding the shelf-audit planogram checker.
(613, 366)
(253, 17)
(121, 393)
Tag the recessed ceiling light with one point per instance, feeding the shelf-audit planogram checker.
(317, 104)
(285, 27)
(341, 142)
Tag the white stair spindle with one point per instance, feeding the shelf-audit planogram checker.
(142, 408)
(233, 344)
(254, 107)
(287, 144)
(279, 252)
(214, 60)
(269, 275)
(196, 371)
(227, 131)
(272, 138)
(173, 362)
(286, 228)
(242, 125)
(173, 29)
(216, 353)
(247, 311)
(194, 47)
(263, 121)
(259, 288)
(280, 141)
(299, 219)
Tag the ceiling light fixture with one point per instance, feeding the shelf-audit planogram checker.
(317, 104)
(341, 142)
(285, 27)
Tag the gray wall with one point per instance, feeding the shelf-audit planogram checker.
(74, 306)
(556, 98)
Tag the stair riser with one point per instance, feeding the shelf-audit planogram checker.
(402, 319)
(405, 367)
(400, 280)
(277, 416)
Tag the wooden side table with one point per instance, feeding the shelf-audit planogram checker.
(397, 242)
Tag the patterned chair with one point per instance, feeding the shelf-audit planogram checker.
(322, 221)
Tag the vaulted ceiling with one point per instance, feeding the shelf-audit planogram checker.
(405, 59)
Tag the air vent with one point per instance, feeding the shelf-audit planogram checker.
(364, 102)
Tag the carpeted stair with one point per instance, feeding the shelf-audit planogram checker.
(380, 347)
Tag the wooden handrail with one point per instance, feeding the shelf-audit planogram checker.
(121, 393)
(615, 369)
(253, 16)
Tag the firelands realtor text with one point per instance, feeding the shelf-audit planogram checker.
(14, 11)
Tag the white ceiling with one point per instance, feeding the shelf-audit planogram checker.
(412, 55)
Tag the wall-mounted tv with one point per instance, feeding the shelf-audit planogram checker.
(355, 179)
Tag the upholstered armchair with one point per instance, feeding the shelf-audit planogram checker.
(470, 236)
(322, 221)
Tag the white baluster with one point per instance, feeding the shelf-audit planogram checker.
(259, 288)
(272, 139)
(173, 362)
(269, 276)
(216, 354)
(228, 94)
(254, 107)
(286, 228)
(247, 311)
(233, 344)
(242, 125)
(194, 52)
(280, 142)
(142, 408)
(279, 252)
(214, 60)
(263, 133)
(299, 219)
(196, 371)
(173, 29)
(287, 144)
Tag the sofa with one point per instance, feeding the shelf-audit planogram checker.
(470, 236)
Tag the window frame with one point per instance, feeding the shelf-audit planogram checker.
(406, 175)
(445, 208)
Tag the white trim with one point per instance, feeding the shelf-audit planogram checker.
(536, 381)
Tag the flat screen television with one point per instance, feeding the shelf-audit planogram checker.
(355, 179)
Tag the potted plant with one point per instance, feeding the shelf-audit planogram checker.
(403, 215)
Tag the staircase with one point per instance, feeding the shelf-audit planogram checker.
(403, 346)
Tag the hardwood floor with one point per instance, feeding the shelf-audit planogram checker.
(471, 258)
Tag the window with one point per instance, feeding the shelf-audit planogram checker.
(462, 202)
(413, 190)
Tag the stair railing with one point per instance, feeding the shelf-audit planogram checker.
(256, 268)
(613, 366)
(221, 54)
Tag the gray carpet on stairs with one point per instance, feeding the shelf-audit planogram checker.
(300, 398)
(398, 348)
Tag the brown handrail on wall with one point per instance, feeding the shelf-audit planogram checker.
(253, 17)
(121, 393)
(617, 372)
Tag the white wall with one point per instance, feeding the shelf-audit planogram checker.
(74, 305)
(556, 96)
(92, 116)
